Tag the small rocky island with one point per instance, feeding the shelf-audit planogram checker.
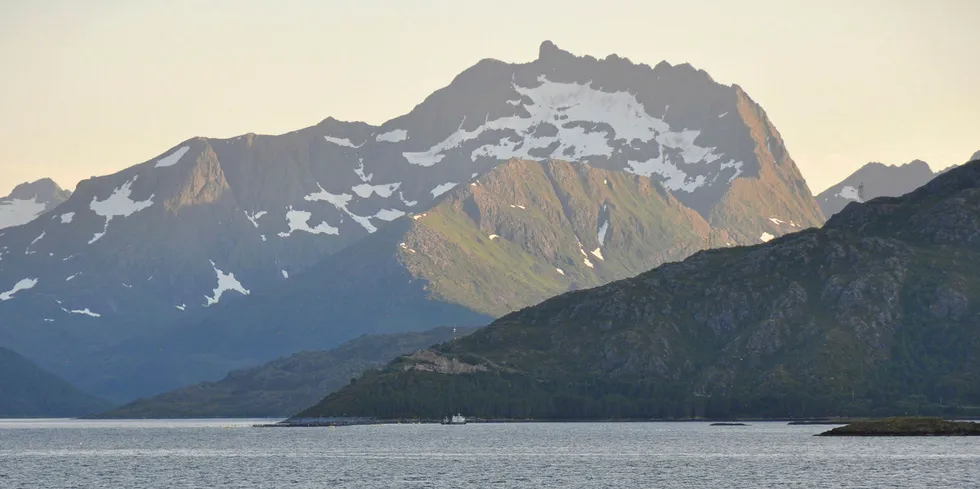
(906, 426)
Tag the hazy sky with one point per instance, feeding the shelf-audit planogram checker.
(91, 87)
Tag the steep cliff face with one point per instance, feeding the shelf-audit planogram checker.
(874, 313)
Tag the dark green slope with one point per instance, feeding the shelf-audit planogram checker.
(285, 385)
(26, 391)
(875, 313)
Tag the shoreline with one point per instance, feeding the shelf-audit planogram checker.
(336, 422)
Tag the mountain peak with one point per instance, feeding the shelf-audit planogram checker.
(548, 50)
(918, 163)
(29, 200)
(875, 180)
(975, 157)
(42, 189)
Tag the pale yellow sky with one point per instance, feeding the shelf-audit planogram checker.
(91, 87)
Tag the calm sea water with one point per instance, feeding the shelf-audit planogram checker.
(228, 453)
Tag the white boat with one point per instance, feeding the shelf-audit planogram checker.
(457, 419)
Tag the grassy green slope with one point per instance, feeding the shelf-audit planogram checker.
(530, 230)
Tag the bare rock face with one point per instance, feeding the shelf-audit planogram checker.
(430, 361)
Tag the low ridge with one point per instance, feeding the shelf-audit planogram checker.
(26, 391)
(283, 386)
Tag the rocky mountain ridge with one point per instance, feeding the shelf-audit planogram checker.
(878, 180)
(164, 245)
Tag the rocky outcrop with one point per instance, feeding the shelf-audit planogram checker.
(430, 361)
(906, 427)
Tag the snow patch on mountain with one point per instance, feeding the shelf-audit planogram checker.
(850, 193)
(71, 277)
(340, 201)
(254, 217)
(172, 158)
(570, 108)
(299, 221)
(15, 212)
(598, 253)
(406, 248)
(560, 271)
(226, 282)
(442, 188)
(181, 307)
(341, 142)
(776, 221)
(23, 284)
(365, 190)
(395, 136)
(602, 233)
(38, 238)
(119, 204)
(67, 217)
(360, 171)
(285, 274)
(766, 237)
(389, 214)
(587, 263)
(85, 312)
(409, 203)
